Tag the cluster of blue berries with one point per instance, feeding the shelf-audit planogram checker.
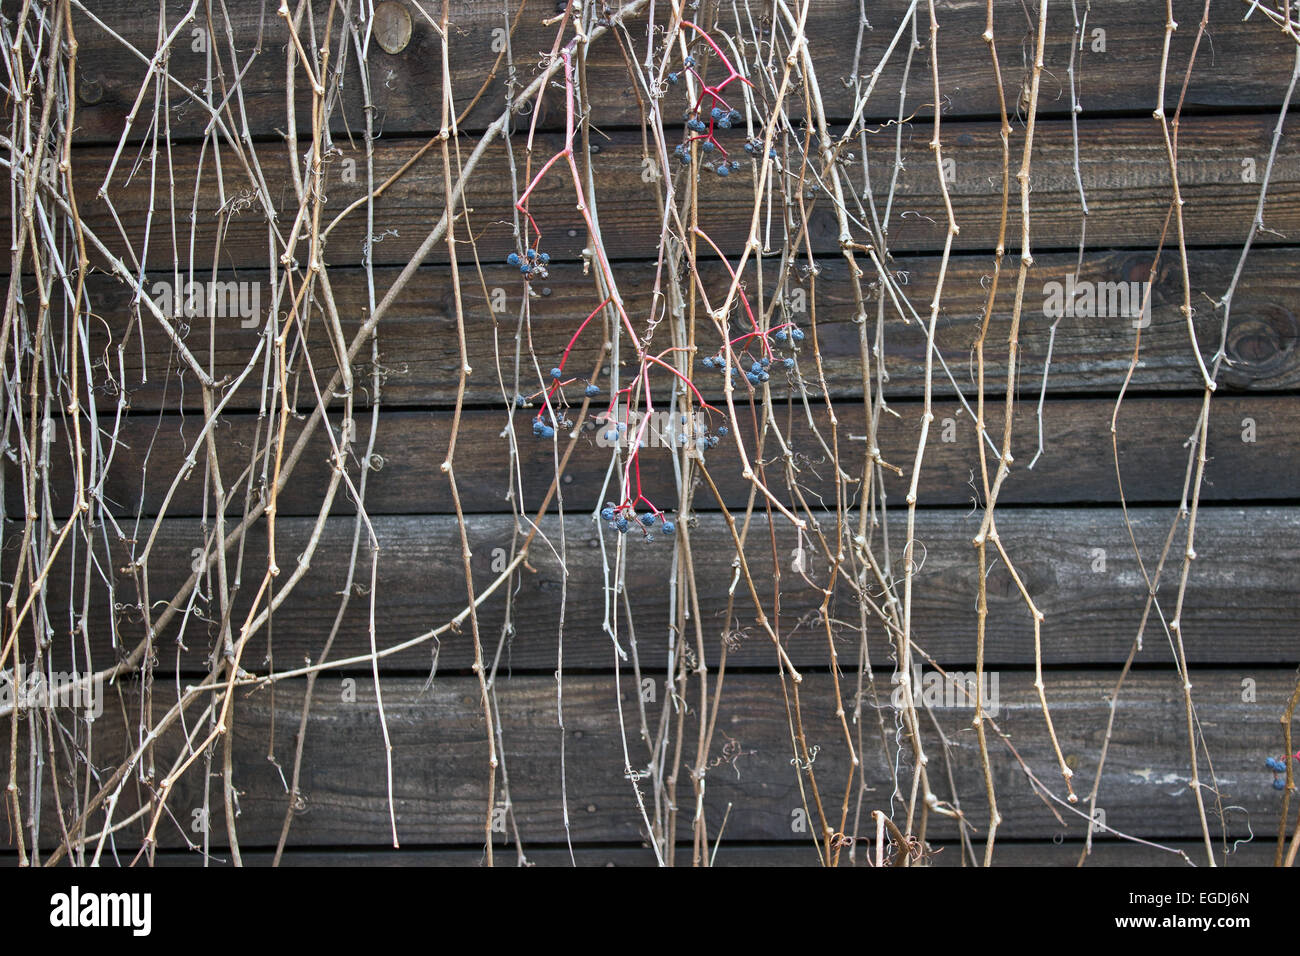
(758, 370)
(623, 518)
(793, 335)
(756, 373)
(711, 441)
(725, 118)
(532, 265)
(1278, 767)
(754, 147)
(543, 430)
(722, 168)
(720, 363)
(704, 132)
(675, 78)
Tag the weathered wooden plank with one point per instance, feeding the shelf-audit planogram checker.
(1076, 467)
(1242, 604)
(1123, 165)
(1118, 69)
(440, 760)
(419, 352)
(1105, 852)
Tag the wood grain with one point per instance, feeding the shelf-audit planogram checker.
(1123, 164)
(1077, 466)
(419, 353)
(440, 760)
(407, 85)
(1242, 605)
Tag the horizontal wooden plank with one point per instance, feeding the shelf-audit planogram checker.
(1106, 852)
(440, 760)
(1076, 467)
(1242, 603)
(1118, 69)
(418, 345)
(1123, 164)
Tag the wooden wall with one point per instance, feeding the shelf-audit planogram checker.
(1241, 618)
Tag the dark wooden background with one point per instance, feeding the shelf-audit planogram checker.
(1242, 614)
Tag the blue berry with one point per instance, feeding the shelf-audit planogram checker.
(669, 527)
(707, 146)
(647, 519)
(1274, 764)
(756, 367)
(708, 362)
(789, 363)
(763, 376)
(716, 113)
(765, 361)
(513, 258)
(519, 402)
(685, 158)
(611, 435)
(556, 373)
(749, 148)
(525, 268)
(607, 513)
(736, 116)
(724, 170)
(532, 253)
(723, 431)
(674, 78)
(593, 390)
(772, 152)
(696, 125)
(724, 123)
(689, 62)
(1279, 783)
(796, 334)
(753, 379)
(781, 335)
(545, 257)
(711, 441)
(621, 525)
